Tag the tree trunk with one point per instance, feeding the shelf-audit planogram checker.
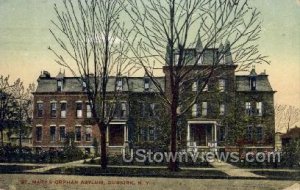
(103, 155)
(2, 136)
(173, 165)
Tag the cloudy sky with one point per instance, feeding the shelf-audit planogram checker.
(24, 38)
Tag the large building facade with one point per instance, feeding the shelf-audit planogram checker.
(235, 110)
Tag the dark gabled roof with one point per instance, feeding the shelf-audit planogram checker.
(262, 83)
(74, 84)
(293, 133)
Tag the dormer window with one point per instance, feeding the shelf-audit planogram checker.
(59, 85)
(200, 60)
(119, 84)
(222, 60)
(147, 84)
(83, 85)
(253, 83)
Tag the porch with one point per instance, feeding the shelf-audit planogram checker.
(202, 134)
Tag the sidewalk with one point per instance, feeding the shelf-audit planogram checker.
(232, 170)
(53, 166)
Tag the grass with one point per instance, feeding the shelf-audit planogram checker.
(118, 160)
(139, 172)
(291, 175)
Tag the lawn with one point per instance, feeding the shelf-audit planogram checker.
(138, 172)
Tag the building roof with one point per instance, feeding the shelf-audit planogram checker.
(293, 133)
(262, 83)
(74, 84)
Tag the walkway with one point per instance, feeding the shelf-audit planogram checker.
(232, 170)
(53, 166)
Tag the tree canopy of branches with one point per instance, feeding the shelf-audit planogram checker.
(92, 46)
(285, 117)
(15, 108)
(166, 28)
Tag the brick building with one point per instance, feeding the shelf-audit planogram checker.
(231, 109)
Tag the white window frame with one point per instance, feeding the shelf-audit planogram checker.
(79, 111)
(88, 110)
(195, 86)
(248, 108)
(52, 140)
(222, 85)
(119, 84)
(80, 127)
(259, 108)
(60, 85)
(60, 138)
(204, 109)
(63, 113)
(222, 109)
(146, 84)
(88, 127)
(195, 111)
(41, 127)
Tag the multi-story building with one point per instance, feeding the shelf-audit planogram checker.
(231, 109)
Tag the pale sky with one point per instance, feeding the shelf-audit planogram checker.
(25, 37)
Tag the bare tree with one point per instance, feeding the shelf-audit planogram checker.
(286, 116)
(165, 29)
(93, 48)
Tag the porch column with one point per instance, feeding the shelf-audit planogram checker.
(215, 138)
(107, 135)
(188, 134)
(215, 133)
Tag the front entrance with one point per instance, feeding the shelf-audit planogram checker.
(116, 135)
(202, 134)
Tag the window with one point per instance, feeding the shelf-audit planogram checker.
(195, 110)
(259, 133)
(200, 60)
(83, 85)
(62, 134)
(88, 133)
(59, 85)
(88, 110)
(63, 110)
(151, 134)
(52, 133)
(123, 109)
(143, 134)
(204, 108)
(176, 59)
(222, 109)
(205, 89)
(259, 108)
(147, 134)
(152, 110)
(253, 83)
(38, 134)
(222, 60)
(249, 133)
(119, 85)
(248, 108)
(194, 87)
(77, 133)
(40, 109)
(53, 109)
(221, 85)
(79, 109)
(142, 109)
(147, 84)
